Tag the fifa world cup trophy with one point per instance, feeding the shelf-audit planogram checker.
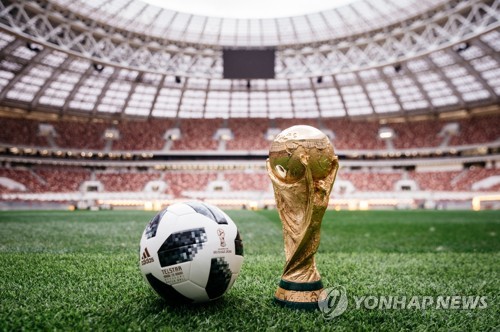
(302, 166)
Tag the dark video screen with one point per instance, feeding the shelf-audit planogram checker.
(248, 64)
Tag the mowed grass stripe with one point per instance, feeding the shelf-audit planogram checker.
(79, 271)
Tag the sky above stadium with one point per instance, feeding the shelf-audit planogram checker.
(249, 8)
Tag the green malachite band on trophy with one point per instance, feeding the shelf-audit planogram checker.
(297, 305)
(301, 286)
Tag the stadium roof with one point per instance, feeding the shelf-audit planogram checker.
(256, 9)
(250, 23)
(366, 58)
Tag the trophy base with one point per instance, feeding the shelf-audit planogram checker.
(298, 295)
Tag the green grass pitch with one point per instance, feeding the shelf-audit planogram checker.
(79, 271)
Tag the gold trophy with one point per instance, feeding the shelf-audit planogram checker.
(302, 166)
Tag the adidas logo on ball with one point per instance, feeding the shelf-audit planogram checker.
(146, 257)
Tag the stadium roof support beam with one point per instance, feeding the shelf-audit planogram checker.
(486, 48)
(27, 67)
(342, 100)
(292, 102)
(230, 101)
(96, 12)
(235, 42)
(118, 10)
(310, 26)
(76, 88)
(129, 97)
(391, 88)
(294, 29)
(422, 91)
(55, 75)
(157, 93)
(327, 23)
(105, 88)
(184, 31)
(203, 27)
(445, 78)
(6, 54)
(268, 106)
(488, 51)
(363, 87)
(8, 49)
(219, 32)
(153, 20)
(206, 98)
(167, 26)
(375, 9)
(344, 21)
(133, 21)
(493, 96)
(393, 4)
(316, 100)
(183, 90)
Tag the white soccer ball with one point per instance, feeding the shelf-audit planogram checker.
(190, 253)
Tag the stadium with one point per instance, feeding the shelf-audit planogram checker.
(112, 110)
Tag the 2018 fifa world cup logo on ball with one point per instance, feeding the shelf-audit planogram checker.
(302, 166)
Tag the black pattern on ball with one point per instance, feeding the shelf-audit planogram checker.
(238, 244)
(209, 212)
(168, 292)
(153, 224)
(219, 278)
(181, 246)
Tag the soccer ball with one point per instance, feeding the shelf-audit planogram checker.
(191, 253)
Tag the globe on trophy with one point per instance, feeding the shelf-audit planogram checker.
(302, 166)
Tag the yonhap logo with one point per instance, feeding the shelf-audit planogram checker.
(421, 302)
(333, 301)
